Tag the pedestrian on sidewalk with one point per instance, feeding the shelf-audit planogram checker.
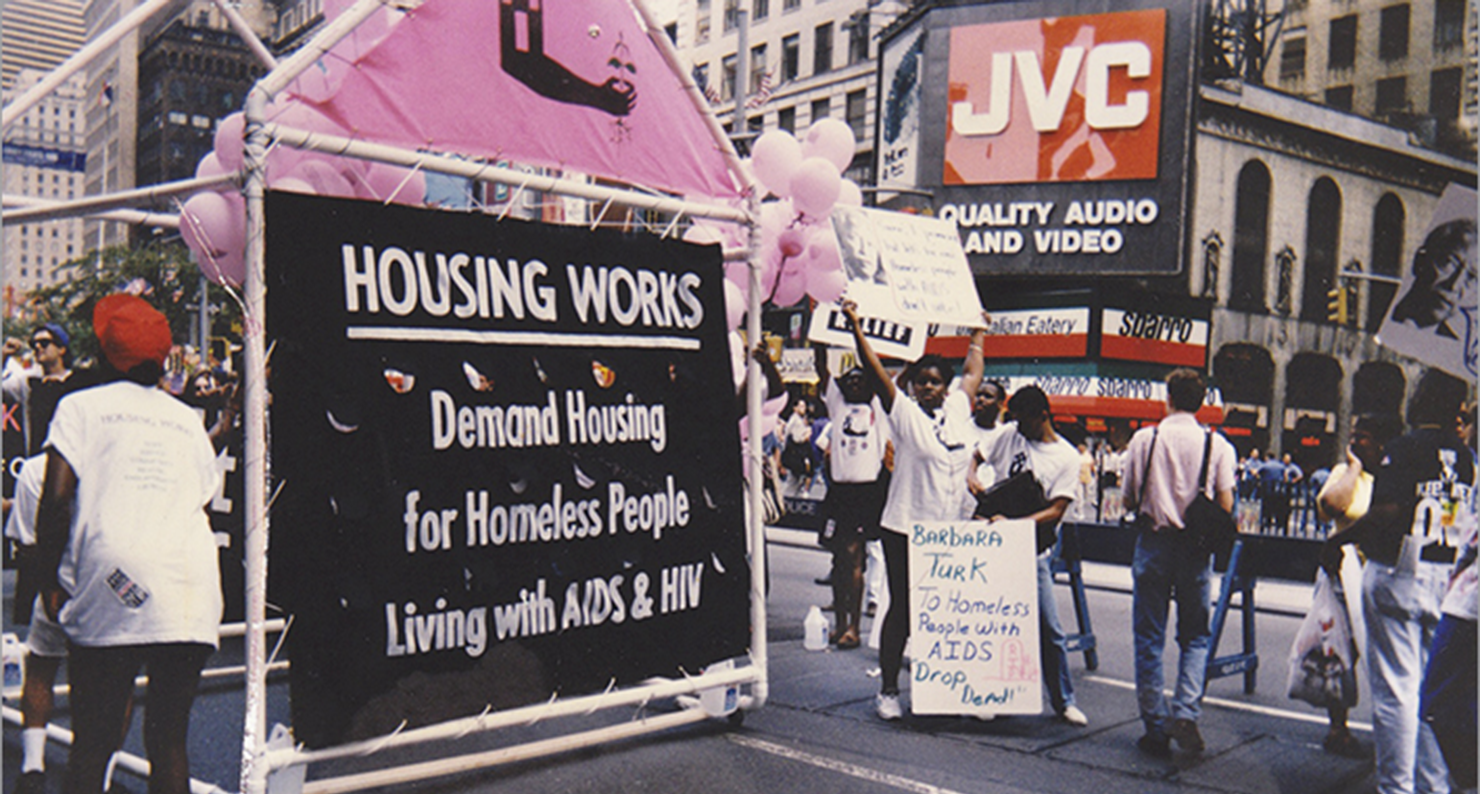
(1030, 444)
(1345, 498)
(1161, 479)
(1421, 502)
(931, 437)
(126, 559)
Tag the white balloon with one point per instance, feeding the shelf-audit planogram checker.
(735, 304)
(849, 195)
(831, 140)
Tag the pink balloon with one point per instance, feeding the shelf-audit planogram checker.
(826, 285)
(701, 235)
(790, 287)
(849, 195)
(738, 273)
(210, 224)
(770, 270)
(228, 141)
(775, 156)
(814, 187)
(210, 165)
(822, 252)
(227, 268)
(831, 140)
(324, 178)
(735, 305)
(393, 183)
(792, 242)
(290, 184)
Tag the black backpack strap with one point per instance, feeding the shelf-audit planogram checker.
(1146, 471)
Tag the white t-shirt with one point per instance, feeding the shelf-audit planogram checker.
(141, 566)
(21, 525)
(931, 454)
(985, 474)
(1055, 464)
(856, 437)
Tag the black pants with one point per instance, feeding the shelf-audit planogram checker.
(896, 628)
(102, 683)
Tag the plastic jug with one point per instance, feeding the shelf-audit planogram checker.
(814, 630)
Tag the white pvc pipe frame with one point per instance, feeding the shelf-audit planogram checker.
(257, 762)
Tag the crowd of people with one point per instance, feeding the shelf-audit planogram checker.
(928, 445)
(118, 567)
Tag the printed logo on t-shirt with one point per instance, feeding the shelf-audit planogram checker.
(1440, 502)
(131, 593)
(1019, 464)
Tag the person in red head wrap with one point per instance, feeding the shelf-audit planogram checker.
(126, 558)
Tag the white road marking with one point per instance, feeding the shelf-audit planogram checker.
(834, 765)
(1253, 708)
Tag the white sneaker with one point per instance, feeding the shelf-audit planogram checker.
(887, 707)
(1074, 716)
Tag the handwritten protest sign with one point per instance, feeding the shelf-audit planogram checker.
(974, 618)
(904, 272)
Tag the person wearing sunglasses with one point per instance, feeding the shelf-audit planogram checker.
(38, 388)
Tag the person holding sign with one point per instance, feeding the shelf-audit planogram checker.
(931, 433)
(1030, 449)
(1161, 480)
(856, 490)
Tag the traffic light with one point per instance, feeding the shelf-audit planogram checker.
(1337, 310)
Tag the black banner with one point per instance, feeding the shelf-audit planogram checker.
(508, 462)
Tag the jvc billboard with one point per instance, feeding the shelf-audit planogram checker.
(1056, 136)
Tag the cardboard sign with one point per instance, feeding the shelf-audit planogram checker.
(508, 462)
(1434, 317)
(974, 618)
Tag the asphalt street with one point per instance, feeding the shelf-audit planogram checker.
(818, 733)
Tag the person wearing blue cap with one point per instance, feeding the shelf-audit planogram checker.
(38, 388)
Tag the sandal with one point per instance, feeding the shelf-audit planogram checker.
(848, 640)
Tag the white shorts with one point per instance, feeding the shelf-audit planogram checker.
(45, 637)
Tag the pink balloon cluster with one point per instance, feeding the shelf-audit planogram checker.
(213, 223)
(799, 250)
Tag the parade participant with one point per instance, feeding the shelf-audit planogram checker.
(1343, 500)
(1029, 444)
(930, 434)
(1421, 501)
(37, 389)
(986, 410)
(127, 561)
(856, 489)
(1161, 479)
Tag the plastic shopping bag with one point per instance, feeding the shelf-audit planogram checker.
(1321, 659)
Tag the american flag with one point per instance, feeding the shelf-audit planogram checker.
(762, 93)
(105, 96)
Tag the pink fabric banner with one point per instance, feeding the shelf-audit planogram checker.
(568, 84)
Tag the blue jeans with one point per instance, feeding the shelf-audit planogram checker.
(1401, 604)
(1052, 643)
(1165, 568)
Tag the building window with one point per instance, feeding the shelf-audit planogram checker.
(1250, 238)
(701, 21)
(1444, 93)
(732, 14)
(821, 109)
(1449, 24)
(786, 119)
(790, 5)
(858, 38)
(759, 82)
(1343, 53)
(1392, 37)
(822, 50)
(791, 57)
(1392, 96)
(760, 9)
(671, 29)
(857, 113)
(755, 124)
(727, 78)
(1292, 59)
(701, 79)
(1322, 248)
(1386, 257)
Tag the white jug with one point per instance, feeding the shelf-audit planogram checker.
(814, 630)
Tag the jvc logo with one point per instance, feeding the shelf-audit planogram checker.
(1047, 101)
